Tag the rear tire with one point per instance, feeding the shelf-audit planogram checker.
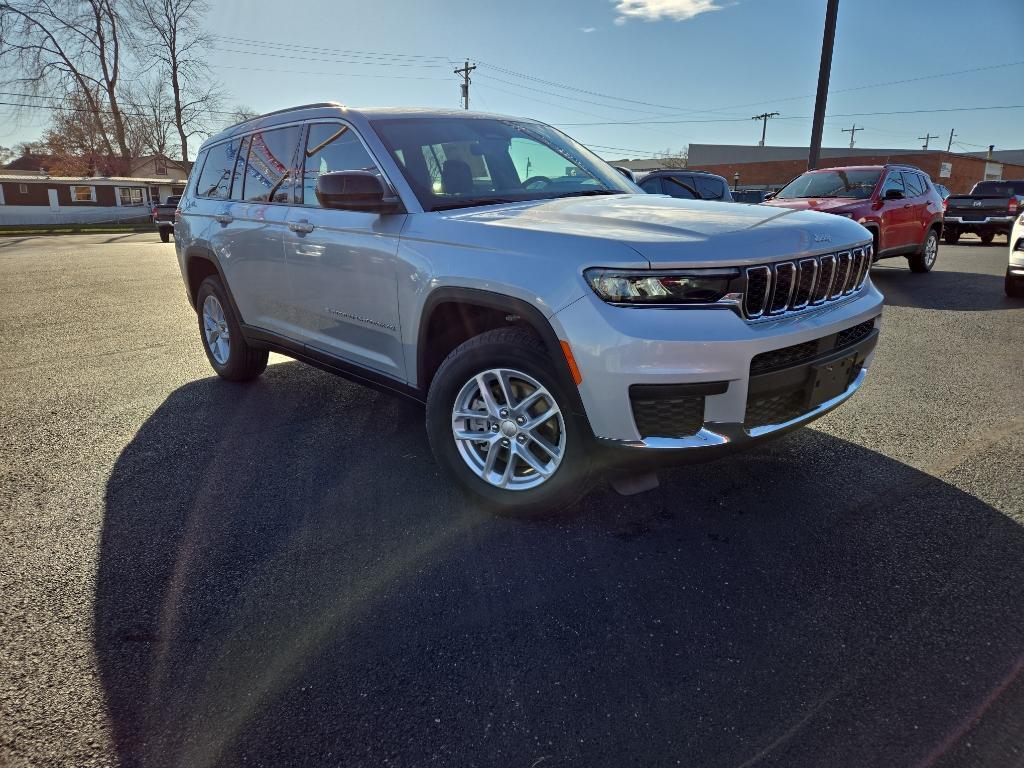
(514, 468)
(165, 235)
(226, 349)
(987, 238)
(925, 259)
(1014, 286)
(951, 236)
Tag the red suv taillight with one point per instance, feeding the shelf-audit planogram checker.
(945, 203)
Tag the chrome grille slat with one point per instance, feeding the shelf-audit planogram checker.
(785, 281)
(773, 290)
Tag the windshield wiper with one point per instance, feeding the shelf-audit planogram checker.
(475, 203)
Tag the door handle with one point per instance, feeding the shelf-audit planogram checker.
(301, 227)
(909, 205)
(224, 218)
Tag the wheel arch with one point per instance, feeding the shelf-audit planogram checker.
(471, 305)
(201, 263)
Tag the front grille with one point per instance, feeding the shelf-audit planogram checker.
(669, 416)
(799, 353)
(851, 336)
(777, 289)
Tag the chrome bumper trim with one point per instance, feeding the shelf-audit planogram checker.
(986, 220)
(714, 434)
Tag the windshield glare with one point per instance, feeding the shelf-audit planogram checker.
(459, 162)
(851, 184)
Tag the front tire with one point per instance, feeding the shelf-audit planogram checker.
(226, 349)
(501, 425)
(1014, 286)
(925, 259)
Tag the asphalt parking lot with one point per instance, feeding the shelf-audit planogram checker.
(195, 573)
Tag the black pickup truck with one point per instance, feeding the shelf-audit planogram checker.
(163, 216)
(988, 211)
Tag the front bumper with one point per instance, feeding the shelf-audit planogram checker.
(618, 348)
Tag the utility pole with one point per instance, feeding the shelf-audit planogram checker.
(926, 138)
(465, 82)
(949, 146)
(764, 117)
(824, 71)
(853, 132)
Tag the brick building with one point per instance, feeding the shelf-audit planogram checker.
(773, 167)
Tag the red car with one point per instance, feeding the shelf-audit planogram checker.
(897, 203)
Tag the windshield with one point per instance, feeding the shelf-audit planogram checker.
(856, 184)
(999, 188)
(457, 162)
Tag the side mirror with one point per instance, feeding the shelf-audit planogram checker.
(770, 196)
(893, 194)
(355, 191)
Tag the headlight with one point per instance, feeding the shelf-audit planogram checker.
(668, 287)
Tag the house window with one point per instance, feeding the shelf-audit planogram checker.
(23, 189)
(83, 194)
(130, 196)
(161, 168)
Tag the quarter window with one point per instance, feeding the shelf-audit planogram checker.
(269, 170)
(215, 180)
(331, 147)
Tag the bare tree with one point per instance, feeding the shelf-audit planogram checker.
(670, 159)
(240, 113)
(153, 118)
(171, 32)
(68, 46)
(7, 154)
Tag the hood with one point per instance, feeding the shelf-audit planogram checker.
(825, 204)
(664, 231)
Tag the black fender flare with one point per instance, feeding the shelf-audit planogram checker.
(512, 306)
(206, 254)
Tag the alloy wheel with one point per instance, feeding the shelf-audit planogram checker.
(215, 328)
(508, 429)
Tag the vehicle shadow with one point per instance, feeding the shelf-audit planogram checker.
(960, 291)
(285, 579)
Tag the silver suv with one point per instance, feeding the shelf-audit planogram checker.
(553, 318)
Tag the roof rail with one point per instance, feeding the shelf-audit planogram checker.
(315, 105)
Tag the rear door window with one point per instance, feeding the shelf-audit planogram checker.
(912, 184)
(269, 171)
(215, 180)
(331, 147)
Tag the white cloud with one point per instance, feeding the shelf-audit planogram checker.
(656, 10)
(587, 30)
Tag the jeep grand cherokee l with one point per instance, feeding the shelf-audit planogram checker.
(897, 203)
(554, 319)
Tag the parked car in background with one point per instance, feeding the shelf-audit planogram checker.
(897, 203)
(752, 196)
(163, 216)
(524, 290)
(687, 184)
(988, 211)
(1014, 283)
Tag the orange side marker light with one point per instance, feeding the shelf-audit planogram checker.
(573, 368)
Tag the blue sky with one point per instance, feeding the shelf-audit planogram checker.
(644, 62)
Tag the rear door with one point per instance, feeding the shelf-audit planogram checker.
(253, 225)
(916, 204)
(344, 290)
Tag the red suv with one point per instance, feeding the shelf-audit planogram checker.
(897, 203)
